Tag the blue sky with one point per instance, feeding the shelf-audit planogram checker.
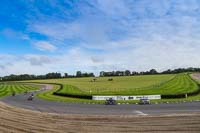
(40, 36)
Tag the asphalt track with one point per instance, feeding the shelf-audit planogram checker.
(41, 105)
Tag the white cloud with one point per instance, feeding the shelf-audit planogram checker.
(114, 35)
(45, 46)
(40, 60)
(113, 7)
(88, 30)
(56, 30)
(10, 33)
(158, 53)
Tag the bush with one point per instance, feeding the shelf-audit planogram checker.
(110, 79)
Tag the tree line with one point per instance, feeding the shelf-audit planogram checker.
(55, 75)
(150, 72)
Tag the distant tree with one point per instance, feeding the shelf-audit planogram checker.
(91, 75)
(134, 73)
(41, 77)
(167, 72)
(53, 75)
(102, 73)
(13, 77)
(153, 71)
(127, 73)
(66, 75)
(78, 74)
(119, 73)
(141, 73)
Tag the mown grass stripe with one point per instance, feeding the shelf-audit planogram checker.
(9, 88)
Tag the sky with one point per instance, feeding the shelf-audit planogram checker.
(41, 36)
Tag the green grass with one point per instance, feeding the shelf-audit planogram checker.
(8, 88)
(138, 85)
(182, 83)
(48, 95)
(119, 86)
(132, 85)
(174, 84)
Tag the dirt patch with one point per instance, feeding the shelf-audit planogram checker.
(196, 76)
(20, 120)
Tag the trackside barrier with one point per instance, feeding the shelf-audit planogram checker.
(127, 97)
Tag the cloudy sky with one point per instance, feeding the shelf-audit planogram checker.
(41, 36)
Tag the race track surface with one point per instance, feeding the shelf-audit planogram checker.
(20, 100)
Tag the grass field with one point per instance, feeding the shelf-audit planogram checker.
(120, 85)
(8, 88)
(133, 85)
(164, 84)
(181, 83)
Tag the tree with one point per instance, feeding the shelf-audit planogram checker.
(91, 75)
(102, 74)
(53, 75)
(66, 75)
(153, 71)
(167, 71)
(134, 73)
(127, 73)
(119, 73)
(78, 74)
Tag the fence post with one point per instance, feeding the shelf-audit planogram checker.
(186, 95)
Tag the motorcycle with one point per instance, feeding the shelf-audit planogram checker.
(30, 98)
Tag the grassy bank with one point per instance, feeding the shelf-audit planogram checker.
(8, 88)
(126, 85)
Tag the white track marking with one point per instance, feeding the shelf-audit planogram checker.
(139, 113)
